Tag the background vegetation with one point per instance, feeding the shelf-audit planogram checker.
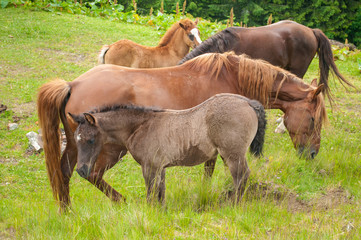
(287, 197)
(339, 19)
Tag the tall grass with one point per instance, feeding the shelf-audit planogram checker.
(296, 198)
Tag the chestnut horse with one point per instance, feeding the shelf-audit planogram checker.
(173, 46)
(286, 44)
(177, 87)
(227, 124)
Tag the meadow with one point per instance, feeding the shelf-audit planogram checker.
(287, 197)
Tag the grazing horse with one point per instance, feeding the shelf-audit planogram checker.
(227, 124)
(177, 87)
(174, 45)
(286, 44)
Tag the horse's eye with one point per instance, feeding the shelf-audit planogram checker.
(191, 37)
(90, 141)
(312, 119)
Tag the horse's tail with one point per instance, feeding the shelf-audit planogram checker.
(326, 62)
(101, 56)
(258, 141)
(51, 102)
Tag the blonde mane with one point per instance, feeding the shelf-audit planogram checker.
(255, 77)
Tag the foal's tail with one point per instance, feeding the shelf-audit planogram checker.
(257, 143)
(326, 62)
(101, 56)
(52, 99)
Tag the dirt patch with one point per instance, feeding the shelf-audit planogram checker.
(9, 233)
(9, 160)
(71, 57)
(331, 198)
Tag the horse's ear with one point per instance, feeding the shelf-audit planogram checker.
(196, 21)
(317, 91)
(90, 118)
(314, 82)
(72, 119)
(182, 26)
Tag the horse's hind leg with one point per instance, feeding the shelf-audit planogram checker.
(106, 160)
(68, 161)
(240, 171)
(209, 168)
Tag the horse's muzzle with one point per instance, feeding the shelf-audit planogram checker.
(308, 153)
(84, 171)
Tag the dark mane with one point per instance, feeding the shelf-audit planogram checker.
(218, 43)
(111, 108)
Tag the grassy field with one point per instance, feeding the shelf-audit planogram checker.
(287, 197)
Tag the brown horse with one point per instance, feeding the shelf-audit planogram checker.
(174, 45)
(286, 44)
(177, 87)
(227, 124)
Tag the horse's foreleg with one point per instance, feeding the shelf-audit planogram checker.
(98, 181)
(161, 195)
(109, 156)
(152, 182)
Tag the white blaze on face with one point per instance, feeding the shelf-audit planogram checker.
(78, 137)
(194, 31)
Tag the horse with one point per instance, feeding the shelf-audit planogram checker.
(173, 46)
(227, 124)
(177, 87)
(285, 44)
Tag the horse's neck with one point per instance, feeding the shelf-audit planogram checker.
(119, 127)
(289, 91)
(176, 46)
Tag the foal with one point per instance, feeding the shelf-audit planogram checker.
(174, 45)
(226, 124)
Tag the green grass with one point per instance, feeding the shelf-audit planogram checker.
(321, 197)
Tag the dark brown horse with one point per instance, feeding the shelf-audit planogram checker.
(227, 124)
(177, 87)
(173, 46)
(286, 44)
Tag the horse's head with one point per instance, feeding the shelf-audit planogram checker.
(191, 36)
(89, 140)
(303, 120)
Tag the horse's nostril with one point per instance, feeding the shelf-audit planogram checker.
(313, 154)
(83, 171)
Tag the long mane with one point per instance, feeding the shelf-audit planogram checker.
(218, 43)
(255, 77)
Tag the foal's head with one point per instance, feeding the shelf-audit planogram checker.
(89, 140)
(303, 120)
(191, 36)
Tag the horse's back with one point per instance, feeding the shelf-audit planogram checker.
(286, 44)
(101, 85)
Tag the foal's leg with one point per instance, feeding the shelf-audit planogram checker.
(109, 156)
(240, 171)
(161, 195)
(209, 167)
(153, 182)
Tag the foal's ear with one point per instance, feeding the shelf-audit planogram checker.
(182, 26)
(196, 21)
(317, 91)
(90, 118)
(314, 82)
